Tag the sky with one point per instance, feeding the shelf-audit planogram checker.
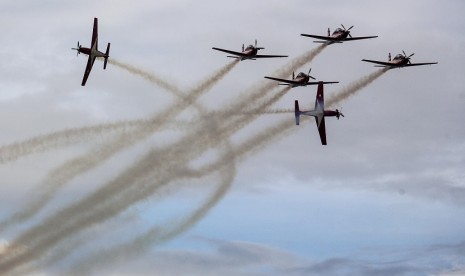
(386, 196)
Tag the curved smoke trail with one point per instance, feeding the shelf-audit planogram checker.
(62, 138)
(240, 152)
(141, 129)
(157, 235)
(130, 177)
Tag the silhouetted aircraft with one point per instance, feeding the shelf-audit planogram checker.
(400, 60)
(92, 52)
(338, 36)
(248, 53)
(319, 113)
(302, 79)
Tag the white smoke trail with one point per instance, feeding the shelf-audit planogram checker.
(338, 96)
(76, 166)
(62, 138)
(252, 145)
(354, 87)
(41, 143)
(77, 209)
(270, 111)
(83, 217)
(156, 235)
(90, 160)
(151, 77)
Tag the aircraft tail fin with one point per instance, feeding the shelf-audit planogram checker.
(107, 54)
(297, 113)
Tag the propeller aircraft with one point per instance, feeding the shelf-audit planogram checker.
(250, 52)
(319, 113)
(339, 35)
(400, 60)
(302, 79)
(92, 52)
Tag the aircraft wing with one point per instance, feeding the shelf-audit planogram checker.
(419, 64)
(283, 80)
(90, 63)
(359, 37)
(384, 63)
(95, 34)
(327, 38)
(239, 54)
(317, 82)
(268, 56)
(322, 130)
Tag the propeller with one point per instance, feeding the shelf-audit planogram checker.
(329, 32)
(242, 47)
(348, 30)
(77, 49)
(310, 70)
(293, 75)
(407, 57)
(258, 48)
(339, 113)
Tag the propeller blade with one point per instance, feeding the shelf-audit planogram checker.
(310, 70)
(343, 27)
(350, 27)
(350, 35)
(405, 55)
(255, 43)
(77, 49)
(411, 55)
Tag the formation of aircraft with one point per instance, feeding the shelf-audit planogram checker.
(302, 79)
(318, 112)
(400, 60)
(92, 52)
(339, 35)
(251, 52)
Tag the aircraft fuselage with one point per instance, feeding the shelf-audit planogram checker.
(250, 51)
(399, 61)
(340, 35)
(93, 52)
(302, 81)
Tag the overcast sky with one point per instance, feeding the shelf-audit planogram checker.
(386, 196)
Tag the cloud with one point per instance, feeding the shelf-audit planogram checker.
(222, 257)
(403, 137)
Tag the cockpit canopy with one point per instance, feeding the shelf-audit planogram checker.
(399, 56)
(249, 47)
(301, 75)
(338, 30)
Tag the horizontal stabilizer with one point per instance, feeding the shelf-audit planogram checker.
(107, 54)
(297, 113)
